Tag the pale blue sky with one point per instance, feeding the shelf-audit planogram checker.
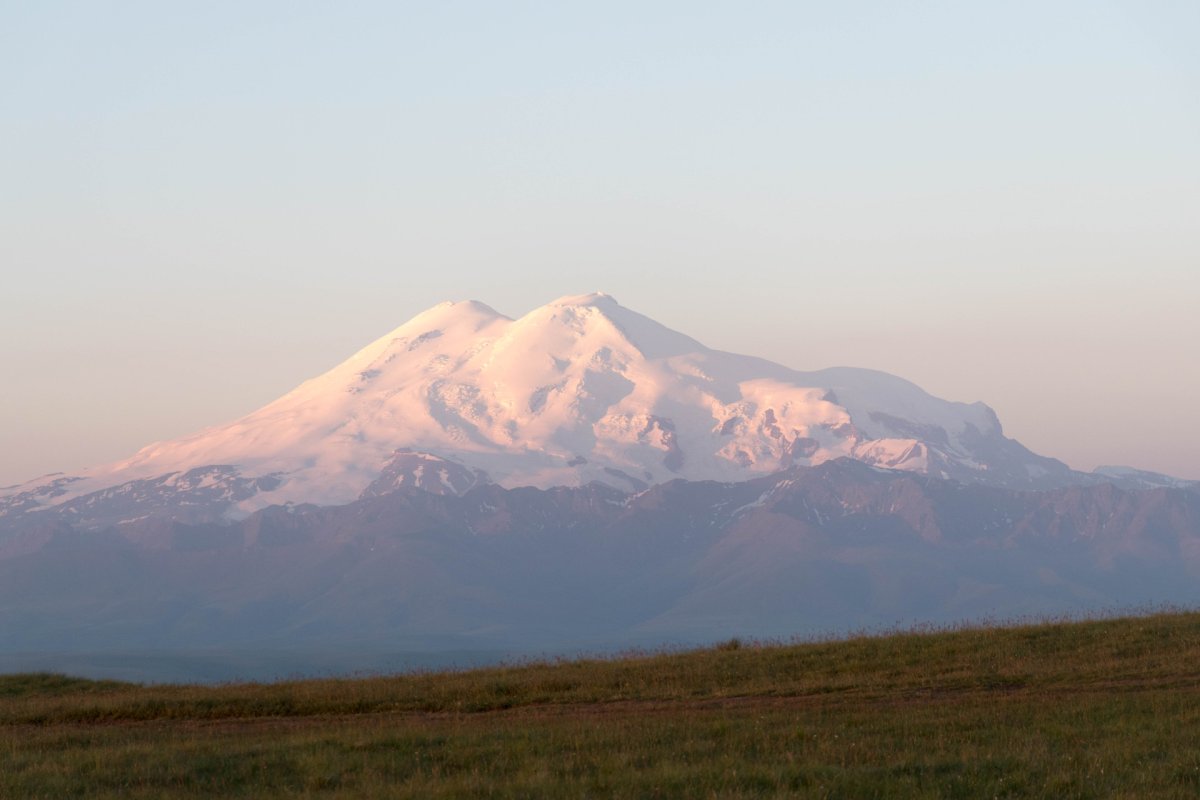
(202, 204)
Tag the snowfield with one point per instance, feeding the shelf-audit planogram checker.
(578, 390)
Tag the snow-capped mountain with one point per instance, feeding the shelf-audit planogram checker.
(580, 390)
(679, 494)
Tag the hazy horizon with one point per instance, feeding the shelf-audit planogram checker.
(205, 207)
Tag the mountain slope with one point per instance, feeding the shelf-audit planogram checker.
(810, 549)
(579, 390)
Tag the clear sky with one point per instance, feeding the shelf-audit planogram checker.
(202, 204)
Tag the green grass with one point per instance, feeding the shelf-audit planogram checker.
(1073, 710)
(46, 684)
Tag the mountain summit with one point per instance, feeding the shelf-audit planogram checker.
(579, 390)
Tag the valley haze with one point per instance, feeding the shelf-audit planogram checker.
(579, 478)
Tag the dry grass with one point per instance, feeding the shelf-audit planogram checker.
(1094, 709)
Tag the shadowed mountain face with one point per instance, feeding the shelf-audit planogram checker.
(806, 550)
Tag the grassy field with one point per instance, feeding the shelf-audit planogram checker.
(1095, 709)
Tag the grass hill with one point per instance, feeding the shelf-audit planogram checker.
(1066, 710)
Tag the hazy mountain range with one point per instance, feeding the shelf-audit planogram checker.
(581, 476)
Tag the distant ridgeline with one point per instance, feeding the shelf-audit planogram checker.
(811, 549)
